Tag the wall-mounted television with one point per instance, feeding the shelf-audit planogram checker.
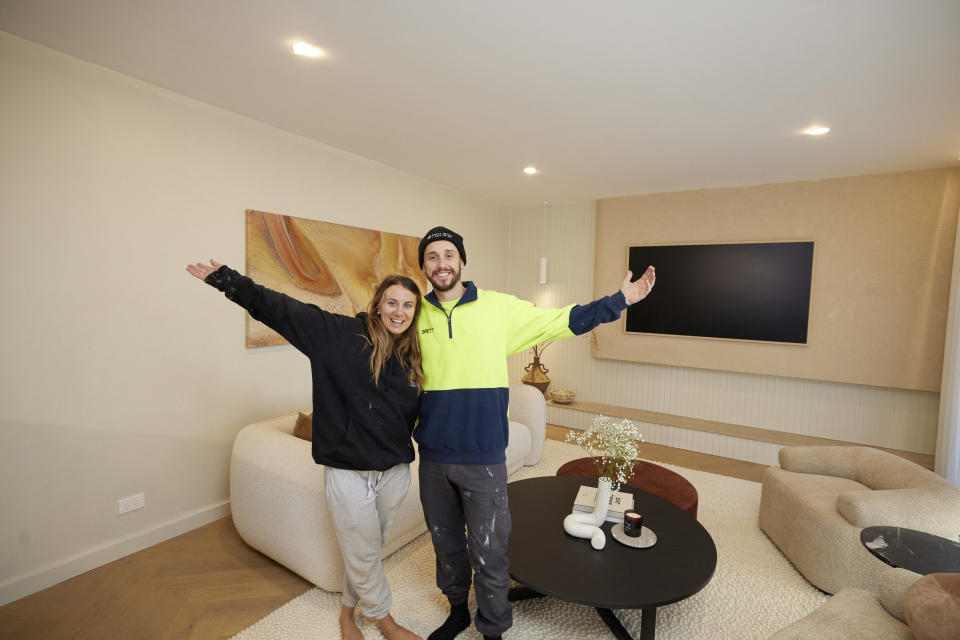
(739, 291)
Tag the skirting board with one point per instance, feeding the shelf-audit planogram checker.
(775, 439)
(24, 585)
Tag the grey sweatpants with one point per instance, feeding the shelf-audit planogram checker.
(475, 496)
(362, 505)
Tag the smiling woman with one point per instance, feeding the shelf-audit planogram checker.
(367, 380)
(396, 308)
(396, 303)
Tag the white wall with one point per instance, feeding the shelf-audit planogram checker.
(565, 234)
(120, 373)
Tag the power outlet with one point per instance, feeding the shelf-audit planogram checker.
(126, 505)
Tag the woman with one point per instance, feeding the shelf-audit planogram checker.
(367, 380)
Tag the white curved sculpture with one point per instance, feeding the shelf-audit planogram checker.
(574, 525)
(587, 525)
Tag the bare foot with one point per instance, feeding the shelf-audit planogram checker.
(393, 631)
(348, 626)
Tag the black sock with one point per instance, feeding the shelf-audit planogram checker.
(457, 621)
(492, 637)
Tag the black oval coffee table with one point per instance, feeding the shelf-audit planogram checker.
(549, 562)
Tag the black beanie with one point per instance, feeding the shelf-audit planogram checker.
(442, 233)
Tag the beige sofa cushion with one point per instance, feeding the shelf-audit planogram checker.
(922, 507)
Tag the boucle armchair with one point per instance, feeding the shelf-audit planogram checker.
(814, 507)
(854, 614)
(277, 491)
(907, 607)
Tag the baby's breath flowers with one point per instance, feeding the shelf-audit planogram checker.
(615, 445)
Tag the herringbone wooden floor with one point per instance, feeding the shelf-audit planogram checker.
(207, 584)
(204, 584)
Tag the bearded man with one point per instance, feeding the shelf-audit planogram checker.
(466, 334)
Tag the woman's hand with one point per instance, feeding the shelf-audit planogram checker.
(201, 270)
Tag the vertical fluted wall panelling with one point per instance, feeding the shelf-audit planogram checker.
(564, 234)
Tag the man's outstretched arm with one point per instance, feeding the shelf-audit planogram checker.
(586, 317)
(532, 325)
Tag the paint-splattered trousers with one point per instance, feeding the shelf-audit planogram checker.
(362, 505)
(475, 496)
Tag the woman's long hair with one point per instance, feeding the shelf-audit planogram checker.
(405, 346)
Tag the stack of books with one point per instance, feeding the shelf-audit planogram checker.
(619, 502)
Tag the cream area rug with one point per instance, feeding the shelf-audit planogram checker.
(754, 592)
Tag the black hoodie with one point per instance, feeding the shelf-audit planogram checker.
(356, 424)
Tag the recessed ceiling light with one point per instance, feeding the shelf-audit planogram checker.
(817, 131)
(530, 171)
(308, 50)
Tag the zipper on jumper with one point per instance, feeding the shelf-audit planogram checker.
(449, 321)
(449, 316)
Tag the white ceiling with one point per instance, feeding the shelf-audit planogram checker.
(606, 98)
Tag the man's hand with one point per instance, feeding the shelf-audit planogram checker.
(637, 291)
(201, 270)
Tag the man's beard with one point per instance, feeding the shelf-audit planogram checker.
(454, 280)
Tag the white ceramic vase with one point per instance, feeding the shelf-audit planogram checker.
(587, 525)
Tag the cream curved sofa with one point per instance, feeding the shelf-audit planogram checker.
(814, 506)
(277, 491)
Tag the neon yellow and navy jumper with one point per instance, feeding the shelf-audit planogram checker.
(464, 345)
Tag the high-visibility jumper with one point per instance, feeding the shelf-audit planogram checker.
(464, 346)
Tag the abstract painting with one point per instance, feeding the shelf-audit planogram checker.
(334, 266)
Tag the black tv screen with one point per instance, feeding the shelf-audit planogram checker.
(751, 291)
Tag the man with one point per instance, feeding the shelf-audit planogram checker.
(466, 334)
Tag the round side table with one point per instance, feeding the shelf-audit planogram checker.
(650, 477)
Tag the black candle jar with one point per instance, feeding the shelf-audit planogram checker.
(632, 523)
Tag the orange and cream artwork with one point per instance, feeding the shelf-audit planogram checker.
(334, 266)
